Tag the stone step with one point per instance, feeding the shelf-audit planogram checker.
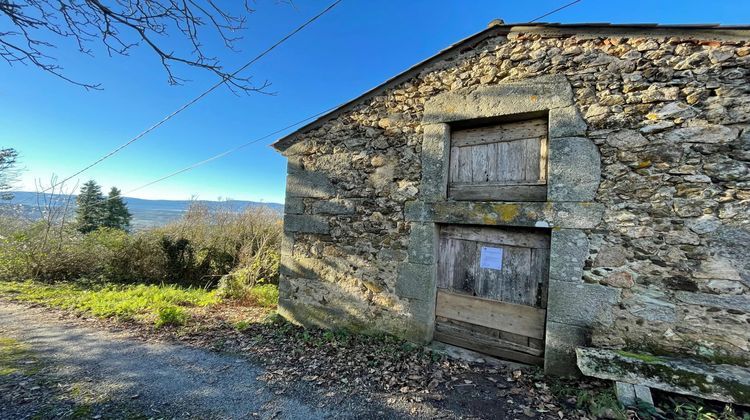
(631, 395)
(725, 383)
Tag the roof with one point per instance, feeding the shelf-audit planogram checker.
(703, 31)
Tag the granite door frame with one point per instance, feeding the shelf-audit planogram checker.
(573, 178)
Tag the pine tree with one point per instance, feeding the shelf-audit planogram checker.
(90, 207)
(8, 172)
(117, 215)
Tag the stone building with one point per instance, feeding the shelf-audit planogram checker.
(531, 189)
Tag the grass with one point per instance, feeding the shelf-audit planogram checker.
(600, 403)
(691, 408)
(171, 315)
(265, 295)
(161, 304)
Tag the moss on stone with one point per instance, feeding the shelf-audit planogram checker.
(646, 358)
(643, 344)
(676, 374)
(507, 212)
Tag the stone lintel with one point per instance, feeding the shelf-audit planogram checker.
(531, 214)
(515, 97)
(569, 249)
(581, 304)
(725, 383)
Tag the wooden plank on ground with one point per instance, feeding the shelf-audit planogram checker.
(517, 319)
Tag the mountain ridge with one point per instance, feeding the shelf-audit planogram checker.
(148, 213)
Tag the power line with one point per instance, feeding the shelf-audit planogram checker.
(554, 11)
(242, 146)
(197, 98)
(230, 151)
(222, 154)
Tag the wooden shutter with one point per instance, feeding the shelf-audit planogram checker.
(502, 162)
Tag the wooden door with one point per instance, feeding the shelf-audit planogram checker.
(492, 290)
(505, 162)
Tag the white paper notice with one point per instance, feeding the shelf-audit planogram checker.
(491, 258)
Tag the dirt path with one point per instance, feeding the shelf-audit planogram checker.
(89, 368)
(154, 379)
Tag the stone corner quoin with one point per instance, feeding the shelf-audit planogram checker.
(647, 203)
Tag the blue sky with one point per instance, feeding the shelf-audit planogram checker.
(60, 128)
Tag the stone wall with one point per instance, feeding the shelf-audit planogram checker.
(668, 256)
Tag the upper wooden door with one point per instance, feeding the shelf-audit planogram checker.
(492, 290)
(502, 162)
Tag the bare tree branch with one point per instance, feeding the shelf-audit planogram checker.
(121, 25)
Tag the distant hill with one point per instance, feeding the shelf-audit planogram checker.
(146, 213)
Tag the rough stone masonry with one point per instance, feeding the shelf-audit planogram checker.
(656, 259)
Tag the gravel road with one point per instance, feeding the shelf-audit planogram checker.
(157, 379)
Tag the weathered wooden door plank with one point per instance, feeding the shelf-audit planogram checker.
(488, 348)
(517, 319)
(505, 236)
(498, 193)
(500, 132)
(457, 331)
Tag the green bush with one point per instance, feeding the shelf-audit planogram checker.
(171, 316)
(197, 250)
(265, 295)
(238, 286)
